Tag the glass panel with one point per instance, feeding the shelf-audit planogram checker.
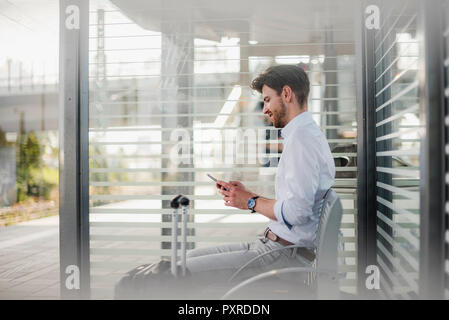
(170, 101)
(398, 130)
(29, 149)
(29, 113)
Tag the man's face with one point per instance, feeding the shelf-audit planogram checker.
(274, 107)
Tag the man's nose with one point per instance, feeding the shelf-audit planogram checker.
(265, 109)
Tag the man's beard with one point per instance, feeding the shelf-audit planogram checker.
(280, 117)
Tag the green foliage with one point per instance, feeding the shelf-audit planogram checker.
(28, 151)
(33, 178)
(43, 181)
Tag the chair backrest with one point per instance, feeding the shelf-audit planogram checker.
(327, 245)
(328, 232)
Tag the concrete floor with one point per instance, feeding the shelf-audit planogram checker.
(29, 260)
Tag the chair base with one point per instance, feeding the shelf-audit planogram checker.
(275, 289)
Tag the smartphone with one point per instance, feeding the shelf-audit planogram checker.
(215, 179)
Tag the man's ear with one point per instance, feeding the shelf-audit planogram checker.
(287, 93)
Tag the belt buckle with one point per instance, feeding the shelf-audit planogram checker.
(267, 231)
(265, 234)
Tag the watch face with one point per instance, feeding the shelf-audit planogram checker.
(251, 203)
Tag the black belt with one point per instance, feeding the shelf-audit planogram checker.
(306, 253)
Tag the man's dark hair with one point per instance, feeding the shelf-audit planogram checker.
(277, 77)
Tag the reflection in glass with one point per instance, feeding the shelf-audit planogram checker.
(28, 111)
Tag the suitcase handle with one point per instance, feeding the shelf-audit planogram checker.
(184, 240)
(178, 201)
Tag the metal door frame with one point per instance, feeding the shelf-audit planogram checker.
(74, 149)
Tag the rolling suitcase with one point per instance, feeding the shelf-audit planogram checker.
(164, 279)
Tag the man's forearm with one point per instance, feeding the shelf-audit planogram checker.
(236, 195)
(265, 207)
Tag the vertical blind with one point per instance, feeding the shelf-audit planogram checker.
(445, 13)
(170, 101)
(397, 149)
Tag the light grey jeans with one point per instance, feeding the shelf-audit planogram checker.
(218, 264)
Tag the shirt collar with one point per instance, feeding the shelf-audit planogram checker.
(300, 120)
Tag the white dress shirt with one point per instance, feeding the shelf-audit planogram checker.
(305, 172)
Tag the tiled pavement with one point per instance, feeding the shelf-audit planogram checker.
(29, 260)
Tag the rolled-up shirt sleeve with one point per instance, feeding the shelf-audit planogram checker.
(302, 178)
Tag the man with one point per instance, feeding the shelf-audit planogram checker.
(305, 172)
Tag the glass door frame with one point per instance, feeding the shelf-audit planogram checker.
(74, 149)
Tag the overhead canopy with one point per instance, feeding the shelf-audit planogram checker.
(266, 23)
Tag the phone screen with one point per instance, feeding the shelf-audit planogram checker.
(213, 178)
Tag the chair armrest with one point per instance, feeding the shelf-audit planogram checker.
(260, 256)
(273, 273)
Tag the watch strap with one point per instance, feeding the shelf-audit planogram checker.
(252, 209)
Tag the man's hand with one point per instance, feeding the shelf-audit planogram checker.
(235, 194)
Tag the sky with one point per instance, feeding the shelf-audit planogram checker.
(29, 32)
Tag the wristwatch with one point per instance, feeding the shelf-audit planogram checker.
(252, 203)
